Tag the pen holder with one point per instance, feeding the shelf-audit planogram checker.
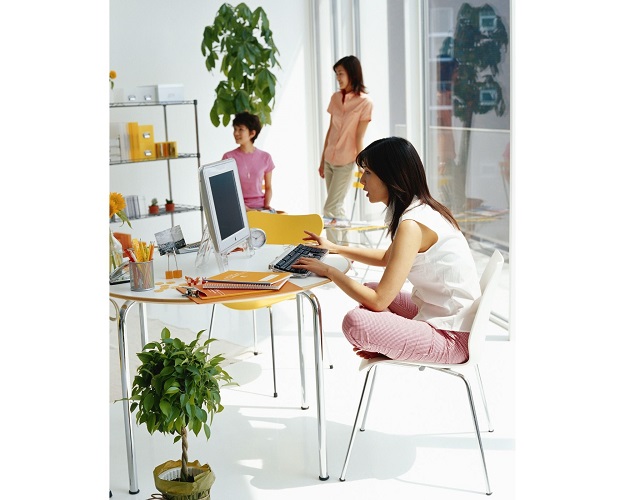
(141, 276)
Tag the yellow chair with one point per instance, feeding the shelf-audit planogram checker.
(358, 187)
(362, 227)
(281, 229)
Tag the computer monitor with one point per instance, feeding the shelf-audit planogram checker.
(222, 201)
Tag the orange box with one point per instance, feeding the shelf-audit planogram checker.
(176, 273)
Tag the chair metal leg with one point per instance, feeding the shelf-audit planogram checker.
(210, 325)
(475, 423)
(255, 335)
(273, 353)
(353, 436)
(374, 372)
(481, 387)
(326, 350)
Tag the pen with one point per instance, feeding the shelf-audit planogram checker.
(130, 255)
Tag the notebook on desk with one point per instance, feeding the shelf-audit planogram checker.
(206, 296)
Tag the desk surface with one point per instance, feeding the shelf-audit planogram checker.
(165, 292)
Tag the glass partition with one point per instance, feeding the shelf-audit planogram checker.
(467, 119)
(468, 114)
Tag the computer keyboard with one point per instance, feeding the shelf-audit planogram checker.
(283, 262)
(190, 248)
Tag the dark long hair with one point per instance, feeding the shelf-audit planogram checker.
(398, 165)
(354, 72)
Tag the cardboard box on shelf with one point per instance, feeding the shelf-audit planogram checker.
(169, 92)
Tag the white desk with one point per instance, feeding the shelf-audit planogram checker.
(186, 262)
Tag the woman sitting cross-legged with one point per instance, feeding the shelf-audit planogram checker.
(427, 248)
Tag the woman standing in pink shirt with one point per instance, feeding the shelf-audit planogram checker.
(350, 113)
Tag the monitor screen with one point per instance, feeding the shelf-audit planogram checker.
(222, 200)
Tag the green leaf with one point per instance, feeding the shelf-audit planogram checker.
(148, 401)
(165, 407)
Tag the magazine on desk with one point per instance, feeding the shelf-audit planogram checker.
(255, 280)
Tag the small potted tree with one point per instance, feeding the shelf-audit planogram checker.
(169, 205)
(153, 208)
(177, 388)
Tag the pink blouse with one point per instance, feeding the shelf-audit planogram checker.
(341, 148)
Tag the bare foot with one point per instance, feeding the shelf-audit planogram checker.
(368, 354)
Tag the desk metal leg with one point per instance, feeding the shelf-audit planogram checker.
(300, 340)
(321, 410)
(125, 378)
(143, 322)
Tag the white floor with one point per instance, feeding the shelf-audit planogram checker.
(418, 444)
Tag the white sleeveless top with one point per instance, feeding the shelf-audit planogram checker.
(444, 278)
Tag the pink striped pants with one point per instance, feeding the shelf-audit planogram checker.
(396, 335)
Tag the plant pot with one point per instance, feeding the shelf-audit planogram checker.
(166, 475)
(153, 209)
(169, 207)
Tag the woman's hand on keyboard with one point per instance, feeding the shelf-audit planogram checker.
(321, 241)
(314, 265)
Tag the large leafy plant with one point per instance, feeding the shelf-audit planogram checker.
(244, 42)
(177, 387)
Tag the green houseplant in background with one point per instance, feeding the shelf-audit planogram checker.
(176, 389)
(244, 42)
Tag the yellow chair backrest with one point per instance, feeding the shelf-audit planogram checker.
(285, 229)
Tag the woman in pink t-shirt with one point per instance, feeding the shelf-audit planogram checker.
(254, 166)
(350, 113)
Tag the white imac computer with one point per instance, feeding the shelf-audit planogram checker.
(224, 208)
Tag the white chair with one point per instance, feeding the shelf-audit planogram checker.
(477, 337)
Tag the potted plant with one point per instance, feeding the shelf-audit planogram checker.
(169, 205)
(244, 41)
(153, 208)
(177, 388)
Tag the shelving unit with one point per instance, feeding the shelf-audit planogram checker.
(179, 207)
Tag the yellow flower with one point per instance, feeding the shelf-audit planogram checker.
(112, 76)
(116, 207)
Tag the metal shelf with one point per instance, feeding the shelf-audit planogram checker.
(180, 156)
(161, 211)
(136, 104)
